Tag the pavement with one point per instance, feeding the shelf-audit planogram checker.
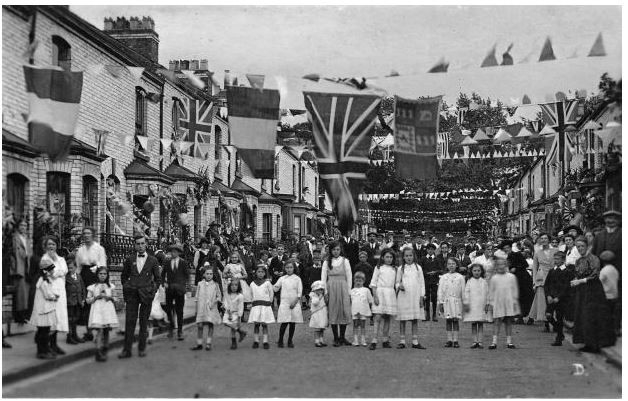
(535, 369)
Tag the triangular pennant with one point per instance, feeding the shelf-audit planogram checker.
(115, 71)
(502, 136)
(166, 143)
(143, 140)
(171, 75)
(524, 133)
(598, 47)
(506, 57)
(136, 72)
(526, 100)
(480, 135)
(256, 80)
(547, 53)
(441, 66)
(490, 60)
(547, 130)
(592, 125)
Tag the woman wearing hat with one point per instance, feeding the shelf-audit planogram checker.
(542, 263)
(519, 267)
(58, 287)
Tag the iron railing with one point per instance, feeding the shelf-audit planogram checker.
(119, 247)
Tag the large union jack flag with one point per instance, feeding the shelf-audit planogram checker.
(342, 125)
(195, 117)
(559, 114)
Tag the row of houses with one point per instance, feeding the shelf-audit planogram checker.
(137, 167)
(576, 185)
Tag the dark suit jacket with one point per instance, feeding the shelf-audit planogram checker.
(141, 284)
(442, 261)
(351, 250)
(466, 261)
(431, 266)
(248, 261)
(74, 290)
(373, 254)
(276, 267)
(557, 284)
(604, 241)
(178, 279)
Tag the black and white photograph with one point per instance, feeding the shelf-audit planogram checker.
(312, 201)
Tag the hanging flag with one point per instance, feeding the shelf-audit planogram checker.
(462, 112)
(506, 57)
(526, 100)
(442, 149)
(256, 81)
(195, 119)
(101, 139)
(54, 98)
(114, 70)
(559, 114)
(143, 140)
(136, 72)
(441, 66)
(253, 118)
(416, 128)
(193, 79)
(490, 60)
(342, 125)
(30, 51)
(547, 53)
(598, 47)
(166, 143)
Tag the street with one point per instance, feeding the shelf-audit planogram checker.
(533, 370)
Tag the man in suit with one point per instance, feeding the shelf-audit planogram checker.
(463, 260)
(372, 250)
(417, 246)
(275, 268)
(609, 239)
(175, 276)
(431, 271)
(557, 291)
(444, 254)
(248, 259)
(140, 279)
(350, 248)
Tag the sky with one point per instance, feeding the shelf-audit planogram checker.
(370, 41)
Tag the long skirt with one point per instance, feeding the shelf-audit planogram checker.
(539, 304)
(339, 301)
(593, 323)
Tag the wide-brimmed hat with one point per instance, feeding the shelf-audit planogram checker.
(175, 247)
(317, 285)
(506, 242)
(612, 213)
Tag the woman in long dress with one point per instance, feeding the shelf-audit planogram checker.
(19, 271)
(336, 278)
(51, 244)
(542, 263)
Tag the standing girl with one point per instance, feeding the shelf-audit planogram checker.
(262, 311)
(361, 301)
(542, 263)
(44, 315)
(289, 312)
(475, 302)
(234, 309)
(384, 299)
(503, 300)
(235, 271)
(58, 285)
(410, 298)
(450, 292)
(336, 277)
(102, 314)
(207, 297)
(318, 307)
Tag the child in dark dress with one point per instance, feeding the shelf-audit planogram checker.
(75, 292)
(364, 266)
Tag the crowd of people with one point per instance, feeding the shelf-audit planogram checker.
(571, 279)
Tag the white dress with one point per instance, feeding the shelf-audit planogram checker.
(262, 313)
(58, 287)
(476, 297)
(318, 317)
(503, 295)
(236, 271)
(43, 314)
(102, 314)
(408, 300)
(234, 308)
(207, 297)
(450, 291)
(291, 290)
(361, 301)
(383, 280)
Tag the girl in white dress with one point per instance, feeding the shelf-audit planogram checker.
(503, 298)
(234, 309)
(475, 302)
(318, 308)
(43, 316)
(410, 298)
(58, 286)
(384, 297)
(207, 297)
(450, 291)
(361, 301)
(289, 312)
(235, 271)
(262, 311)
(102, 314)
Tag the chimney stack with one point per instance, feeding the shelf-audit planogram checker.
(138, 34)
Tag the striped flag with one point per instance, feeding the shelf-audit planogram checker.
(54, 98)
(253, 118)
(342, 125)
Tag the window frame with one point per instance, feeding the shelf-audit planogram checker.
(61, 53)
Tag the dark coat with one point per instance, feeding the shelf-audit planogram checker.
(276, 267)
(351, 250)
(372, 254)
(143, 284)
(524, 281)
(431, 266)
(558, 284)
(605, 241)
(75, 290)
(178, 279)
(248, 261)
(592, 315)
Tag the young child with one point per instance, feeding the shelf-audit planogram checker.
(364, 266)
(158, 315)
(235, 271)
(43, 315)
(75, 293)
(609, 276)
(207, 297)
(289, 312)
(262, 311)
(384, 298)
(102, 315)
(318, 317)
(410, 298)
(503, 300)
(450, 292)
(234, 309)
(557, 288)
(361, 301)
(475, 303)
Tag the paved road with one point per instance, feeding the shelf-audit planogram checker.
(534, 369)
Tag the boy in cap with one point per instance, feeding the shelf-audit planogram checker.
(431, 271)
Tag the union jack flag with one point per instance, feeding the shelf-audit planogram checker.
(342, 125)
(559, 114)
(195, 116)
